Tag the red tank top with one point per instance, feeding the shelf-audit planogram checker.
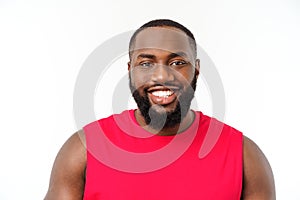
(126, 162)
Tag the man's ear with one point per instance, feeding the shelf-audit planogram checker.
(197, 67)
(128, 65)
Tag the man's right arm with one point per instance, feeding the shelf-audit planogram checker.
(68, 173)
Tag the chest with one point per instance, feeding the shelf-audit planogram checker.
(189, 177)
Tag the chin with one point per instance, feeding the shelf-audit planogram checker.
(164, 108)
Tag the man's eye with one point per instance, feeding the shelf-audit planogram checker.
(146, 64)
(176, 63)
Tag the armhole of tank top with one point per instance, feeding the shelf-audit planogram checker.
(83, 137)
(242, 168)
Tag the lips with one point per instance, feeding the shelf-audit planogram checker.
(162, 95)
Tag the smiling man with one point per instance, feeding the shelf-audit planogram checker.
(163, 74)
(163, 71)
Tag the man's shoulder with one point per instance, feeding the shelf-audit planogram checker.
(216, 124)
(217, 135)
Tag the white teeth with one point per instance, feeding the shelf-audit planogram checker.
(163, 94)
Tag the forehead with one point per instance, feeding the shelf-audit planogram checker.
(162, 38)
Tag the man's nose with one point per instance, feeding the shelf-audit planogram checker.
(162, 74)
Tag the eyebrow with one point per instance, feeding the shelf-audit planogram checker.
(177, 54)
(144, 55)
(172, 55)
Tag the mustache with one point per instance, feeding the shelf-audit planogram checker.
(167, 85)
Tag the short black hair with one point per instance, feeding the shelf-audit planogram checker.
(161, 23)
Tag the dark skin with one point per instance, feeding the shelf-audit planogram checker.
(68, 173)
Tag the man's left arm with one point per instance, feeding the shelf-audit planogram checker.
(258, 180)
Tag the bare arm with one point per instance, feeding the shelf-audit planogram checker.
(258, 178)
(68, 172)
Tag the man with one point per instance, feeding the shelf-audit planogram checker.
(163, 71)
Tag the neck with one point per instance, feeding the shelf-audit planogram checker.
(176, 129)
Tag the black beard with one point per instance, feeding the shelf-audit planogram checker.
(159, 120)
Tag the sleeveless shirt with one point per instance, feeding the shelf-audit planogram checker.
(126, 162)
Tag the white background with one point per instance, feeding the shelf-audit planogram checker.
(43, 44)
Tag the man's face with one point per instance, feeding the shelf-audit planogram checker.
(163, 74)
